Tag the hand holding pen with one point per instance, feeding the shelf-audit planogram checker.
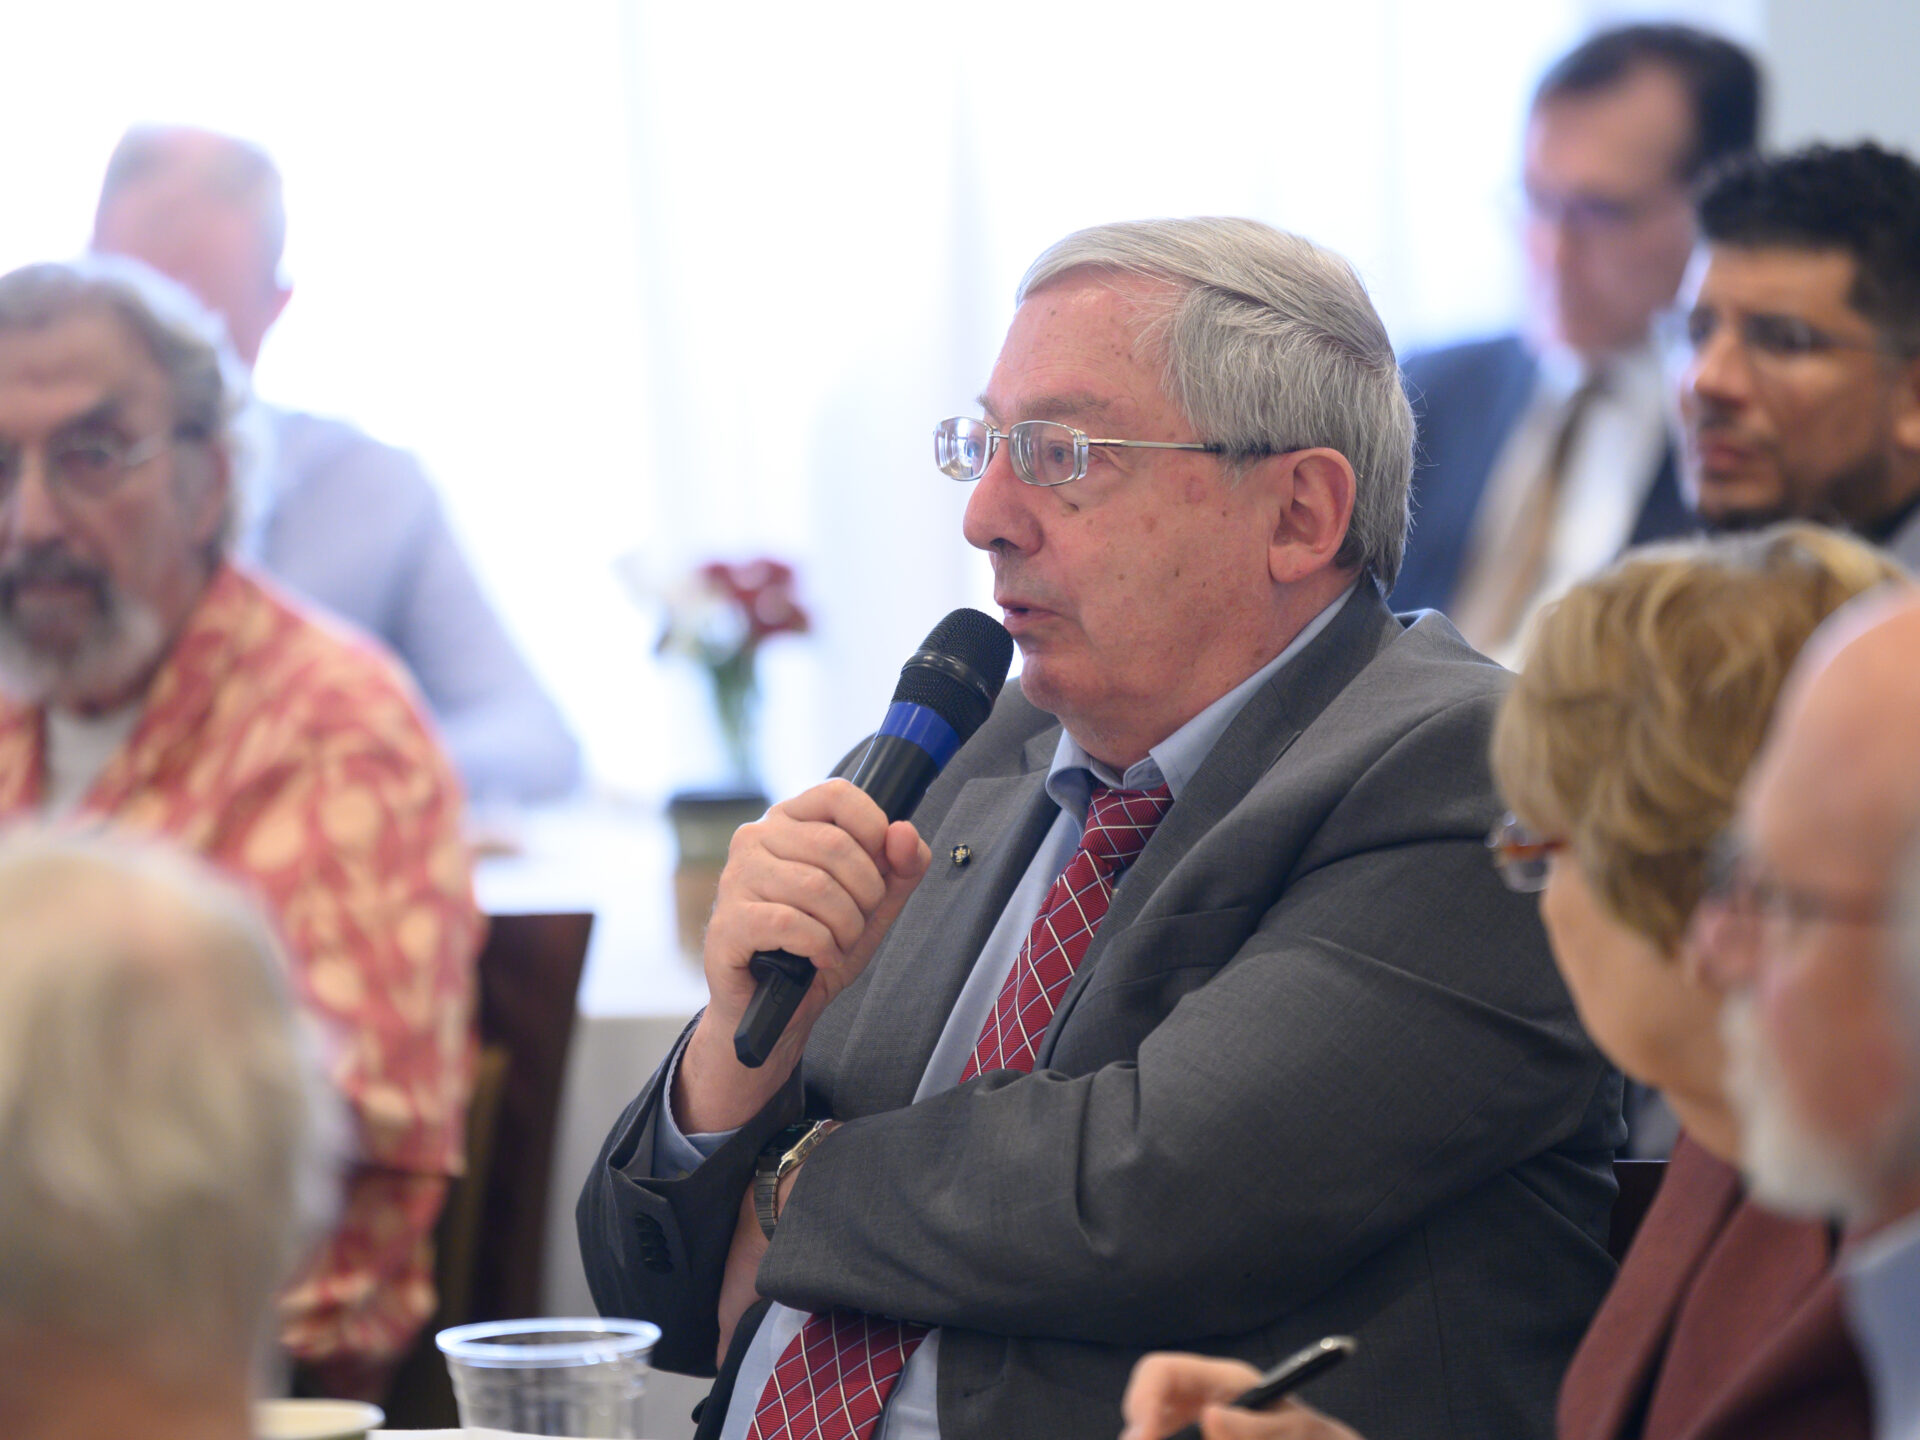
(1228, 1400)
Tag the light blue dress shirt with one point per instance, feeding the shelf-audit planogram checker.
(1882, 1281)
(912, 1411)
(357, 528)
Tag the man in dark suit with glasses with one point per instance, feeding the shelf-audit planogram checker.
(1543, 453)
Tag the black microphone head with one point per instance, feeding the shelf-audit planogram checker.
(958, 670)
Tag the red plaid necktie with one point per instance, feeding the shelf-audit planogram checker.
(835, 1375)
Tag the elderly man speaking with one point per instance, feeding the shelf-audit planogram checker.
(1313, 1073)
(153, 687)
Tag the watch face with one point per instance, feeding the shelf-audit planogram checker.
(785, 1141)
(782, 1154)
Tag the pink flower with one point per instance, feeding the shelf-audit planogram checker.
(762, 591)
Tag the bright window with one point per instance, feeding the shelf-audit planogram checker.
(700, 278)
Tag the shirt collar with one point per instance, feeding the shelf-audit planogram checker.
(1881, 1276)
(1634, 371)
(1175, 760)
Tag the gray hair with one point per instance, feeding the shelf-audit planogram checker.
(183, 338)
(168, 1140)
(1270, 344)
(181, 335)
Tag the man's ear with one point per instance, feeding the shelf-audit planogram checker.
(1315, 489)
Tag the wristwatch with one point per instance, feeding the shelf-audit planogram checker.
(781, 1158)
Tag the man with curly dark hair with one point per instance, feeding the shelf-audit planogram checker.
(1800, 325)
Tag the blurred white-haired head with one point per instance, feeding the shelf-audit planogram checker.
(171, 1148)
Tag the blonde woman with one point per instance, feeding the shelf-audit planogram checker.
(1642, 698)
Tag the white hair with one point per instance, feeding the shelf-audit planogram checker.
(1791, 1166)
(170, 1146)
(119, 648)
(1270, 344)
(183, 337)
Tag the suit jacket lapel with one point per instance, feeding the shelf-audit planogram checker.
(912, 987)
(1254, 743)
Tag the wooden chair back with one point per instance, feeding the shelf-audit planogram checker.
(489, 1241)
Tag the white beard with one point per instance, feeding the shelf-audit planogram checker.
(123, 646)
(1790, 1167)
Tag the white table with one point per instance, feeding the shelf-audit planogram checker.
(637, 993)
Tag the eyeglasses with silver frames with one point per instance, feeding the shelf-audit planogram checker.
(1045, 452)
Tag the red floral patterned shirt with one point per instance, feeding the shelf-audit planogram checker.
(293, 756)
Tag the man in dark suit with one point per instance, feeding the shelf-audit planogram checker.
(1543, 454)
(1203, 1019)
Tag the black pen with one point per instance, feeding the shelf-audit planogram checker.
(1290, 1374)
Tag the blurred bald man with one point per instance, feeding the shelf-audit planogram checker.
(327, 510)
(1825, 1045)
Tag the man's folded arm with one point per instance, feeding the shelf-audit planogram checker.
(1330, 1086)
(654, 1248)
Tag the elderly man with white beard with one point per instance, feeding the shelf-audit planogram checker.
(1825, 1044)
(150, 686)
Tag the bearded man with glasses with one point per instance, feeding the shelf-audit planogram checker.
(1819, 931)
(1202, 1019)
(1798, 339)
(150, 686)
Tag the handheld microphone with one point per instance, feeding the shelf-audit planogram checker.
(947, 688)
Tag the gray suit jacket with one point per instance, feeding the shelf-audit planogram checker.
(1316, 1074)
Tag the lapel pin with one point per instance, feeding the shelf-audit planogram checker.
(961, 854)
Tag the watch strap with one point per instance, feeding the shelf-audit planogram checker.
(781, 1157)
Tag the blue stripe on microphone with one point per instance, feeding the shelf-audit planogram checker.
(923, 727)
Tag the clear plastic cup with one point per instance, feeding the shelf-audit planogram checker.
(551, 1377)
